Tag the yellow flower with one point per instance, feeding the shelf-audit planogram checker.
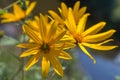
(45, 45)
(77, 12)
(90, 37)
(18, 13)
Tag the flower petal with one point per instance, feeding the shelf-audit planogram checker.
(7, 17)
(56, 17)
(94, 29)
(52, 30)
(64, 55)
(27, 45)
(64, 10)
(71, 21)
(87, 53)
(33, 60)
(19, 13)
(30, 8)
(99, 47)
(32, 34)
(30, 52)
(76, 7)
(106, 41)
(99, 37)
(45, 66)
(56, 65)
(82, 11)
(58, 36)
(82, 23)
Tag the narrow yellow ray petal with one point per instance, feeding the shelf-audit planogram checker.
(99, 37)
(87, 53)
(27, 45)
(8, 20)
(64, 55)
(42, 27)
(33, 60)
(76, 7)
(71, 20)
(99, 47)
(19, 13)
(56, 17)
(30, 8)
(58, 36)
(45, 66)
(82, 11)
(64, 10)
(7, 15)
(56, 65)
(82, 23)
(32, 34)
(69, 26)
(106, 41)
(94, 29)
(52, 31)
(76, 11)
(30, 52)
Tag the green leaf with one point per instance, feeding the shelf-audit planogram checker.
(5, 40)
(2, 11)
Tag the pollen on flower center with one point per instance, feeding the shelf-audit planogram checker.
(45, 47)
(78, 38)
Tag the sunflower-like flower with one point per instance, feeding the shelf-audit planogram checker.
(77, 12)
(18, 13)
(46, 45)
(88, 38)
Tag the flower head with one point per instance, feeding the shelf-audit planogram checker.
(77, 12)
(18, 13)
(90, 37)
(45, 45)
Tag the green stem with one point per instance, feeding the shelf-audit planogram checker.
(9, 6)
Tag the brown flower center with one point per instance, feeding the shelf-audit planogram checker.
(45, 48)
(78, 38)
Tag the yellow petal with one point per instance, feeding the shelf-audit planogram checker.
(45, 66)
(71, 20)
(19, 13)
(106, 41)
(52, 30)
(56, 65)
(7, 17)
(87, 53)
(99, 47)
(32, 61)
(82, 23)
(27, 45)
(82, 11)
(8, 20)
(64, 55)
(32, 34)
(56, 17)
(42, 27)
(58, 36)
(99, 37)
(76, 7)
(30, 8)
(64, 10)
(29, 52)
(94, 29)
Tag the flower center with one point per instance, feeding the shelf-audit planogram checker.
(45, 48)
(78, 38)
